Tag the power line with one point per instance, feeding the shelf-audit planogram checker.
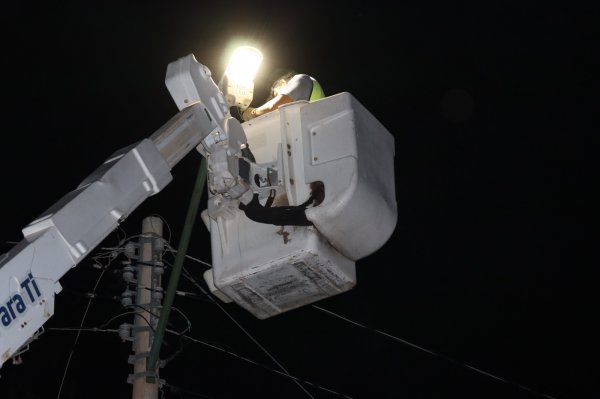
(405, 342)
(91, 329)
(449, 359)
(286, 374)
(126, 313)
(213, 346)
(176, 389)
(79, 333)
(189, 277)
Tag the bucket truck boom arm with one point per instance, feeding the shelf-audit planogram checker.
(70, 229)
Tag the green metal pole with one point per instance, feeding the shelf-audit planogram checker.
(152, 364)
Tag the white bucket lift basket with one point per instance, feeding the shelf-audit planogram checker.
(270, 269)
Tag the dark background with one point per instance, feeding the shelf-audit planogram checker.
(490, 263)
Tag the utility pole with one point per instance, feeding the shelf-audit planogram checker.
(149, 295)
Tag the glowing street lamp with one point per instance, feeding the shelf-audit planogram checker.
(237, 83)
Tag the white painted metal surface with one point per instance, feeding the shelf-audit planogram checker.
(270, 269)
(63, 235)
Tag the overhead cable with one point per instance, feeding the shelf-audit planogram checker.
(449, 359)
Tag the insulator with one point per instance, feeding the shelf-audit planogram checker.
(127, 298)
(157, 294)
(129, 250)
(158, 244)
(128, 273)
(125, 332)
(159, 268)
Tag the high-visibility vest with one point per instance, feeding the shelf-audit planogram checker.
(317, 91)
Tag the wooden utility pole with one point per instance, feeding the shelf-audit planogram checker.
(148, 301)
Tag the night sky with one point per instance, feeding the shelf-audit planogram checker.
(490, 263)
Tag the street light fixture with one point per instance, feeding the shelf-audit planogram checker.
(237, 84)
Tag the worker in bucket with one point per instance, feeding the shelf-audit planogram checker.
(289, 86)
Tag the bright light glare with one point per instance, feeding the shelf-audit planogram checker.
(244, 64)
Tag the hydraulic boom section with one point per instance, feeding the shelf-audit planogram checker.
(70, 229)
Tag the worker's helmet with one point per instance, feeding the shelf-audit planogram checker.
(279, 78)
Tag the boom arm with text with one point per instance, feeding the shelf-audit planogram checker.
(295, 198)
